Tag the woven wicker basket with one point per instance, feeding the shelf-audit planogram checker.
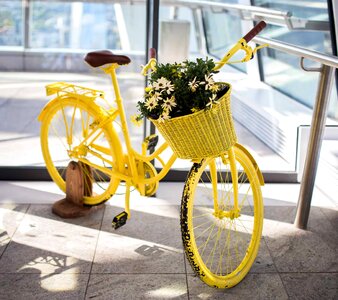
(205, 133)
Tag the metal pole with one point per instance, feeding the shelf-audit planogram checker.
(148, 43)
(26, 17)
(155, 28)
(314, 146)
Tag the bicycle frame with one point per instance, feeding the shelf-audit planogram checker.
(127, 167)
(221, 228)
(132, 154)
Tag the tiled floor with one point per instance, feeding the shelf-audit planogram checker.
(45, 257)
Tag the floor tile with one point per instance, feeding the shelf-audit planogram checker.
(296, 250)
(49, 244)
(10, 217)
(40, 287)
(331, 215)
(150, 242)
(91, 221)
(275, 214)
(263, 262)
(253, 286)
(32, 192)
(313, 285)
(149, 286)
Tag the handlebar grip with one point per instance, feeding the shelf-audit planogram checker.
(152, 53)
(254, 31)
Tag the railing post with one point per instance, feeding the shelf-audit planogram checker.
(314, 146)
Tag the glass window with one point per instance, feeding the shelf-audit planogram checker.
(222, 31)
(73, 25)
(134, 18)
(11, 25)
(60, 33)
(172, 19)
(282, 70)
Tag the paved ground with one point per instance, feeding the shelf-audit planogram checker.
(45, 257)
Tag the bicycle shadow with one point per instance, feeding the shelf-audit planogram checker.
(51, 257)
(46, 248)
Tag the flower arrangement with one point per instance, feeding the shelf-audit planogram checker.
(180, 89)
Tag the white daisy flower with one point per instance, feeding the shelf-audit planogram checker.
(193, 85)
(161, 83)
(169, 103)
(157, 96)
(212, 101)
(151, 103)
(209, 81)
(164, 116)
(169, 88)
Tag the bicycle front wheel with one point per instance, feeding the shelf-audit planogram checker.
(65, 126)
(221, 243)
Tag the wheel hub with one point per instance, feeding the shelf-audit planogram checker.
(80, 151)
(230, 214)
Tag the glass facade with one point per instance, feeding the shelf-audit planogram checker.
(49, 48)
(73, 25)
(46, 41)
(222, 31)
(282, 70)
(11, 23)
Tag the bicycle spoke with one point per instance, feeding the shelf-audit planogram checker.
(68, 135)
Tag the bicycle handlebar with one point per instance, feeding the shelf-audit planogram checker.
(254, 31)
(242, 45)
(151, 63)
(152, 53)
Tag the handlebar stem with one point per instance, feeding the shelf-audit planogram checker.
(240, 45)
(150, 65)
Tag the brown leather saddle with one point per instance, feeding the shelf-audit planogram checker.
(102, 57)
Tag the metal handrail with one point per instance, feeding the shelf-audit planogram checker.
(328, 65)
(316, 56)
(256, 13)
(245, 12)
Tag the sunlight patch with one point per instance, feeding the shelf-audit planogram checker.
(169, 292)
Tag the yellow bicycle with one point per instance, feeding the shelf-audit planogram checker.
(221, 209)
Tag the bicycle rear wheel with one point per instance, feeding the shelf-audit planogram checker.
(65, 125)
(222, 246)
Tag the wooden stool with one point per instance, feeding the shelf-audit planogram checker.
(79, 178)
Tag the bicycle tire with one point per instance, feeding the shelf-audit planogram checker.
(235, 238)
(73, 118)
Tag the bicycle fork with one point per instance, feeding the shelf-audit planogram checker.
(221, 212)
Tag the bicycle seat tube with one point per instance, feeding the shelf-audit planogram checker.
(111, 69)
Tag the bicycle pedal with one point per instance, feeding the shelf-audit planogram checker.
(152, 141)
(119, 220)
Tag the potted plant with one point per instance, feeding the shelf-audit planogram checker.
(189, 108)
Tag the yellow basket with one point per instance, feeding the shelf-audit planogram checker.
(205, 133)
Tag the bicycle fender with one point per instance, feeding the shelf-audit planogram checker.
(42, 114)
(50, 104)
(258, 171)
